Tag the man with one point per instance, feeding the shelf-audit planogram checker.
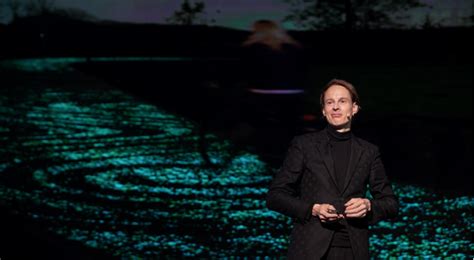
(323, 182)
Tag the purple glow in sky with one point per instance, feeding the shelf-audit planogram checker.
(230, 13)
(237, 14)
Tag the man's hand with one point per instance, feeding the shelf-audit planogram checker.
(357, 208)
(325, 212)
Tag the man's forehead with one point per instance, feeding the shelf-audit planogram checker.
(337, 90)
(337, 96)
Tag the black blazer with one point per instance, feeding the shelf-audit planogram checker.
(308, 177)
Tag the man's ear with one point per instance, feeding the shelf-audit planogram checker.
(355, 108)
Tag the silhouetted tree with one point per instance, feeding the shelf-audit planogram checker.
(75, 13)
(468, 20)
(188, 14)
(40, 7)
(350, 14)
(13, 8)
(429, 23)
(17, 9)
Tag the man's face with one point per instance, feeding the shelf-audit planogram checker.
(338, 106)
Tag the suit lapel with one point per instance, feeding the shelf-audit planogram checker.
(322, 145)
(356, 152)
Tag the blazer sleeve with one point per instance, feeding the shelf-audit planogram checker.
(283, 193)
(384, 203)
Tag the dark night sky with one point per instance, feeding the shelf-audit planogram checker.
(237, 13)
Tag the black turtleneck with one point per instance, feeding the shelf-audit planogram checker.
(340, 144)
